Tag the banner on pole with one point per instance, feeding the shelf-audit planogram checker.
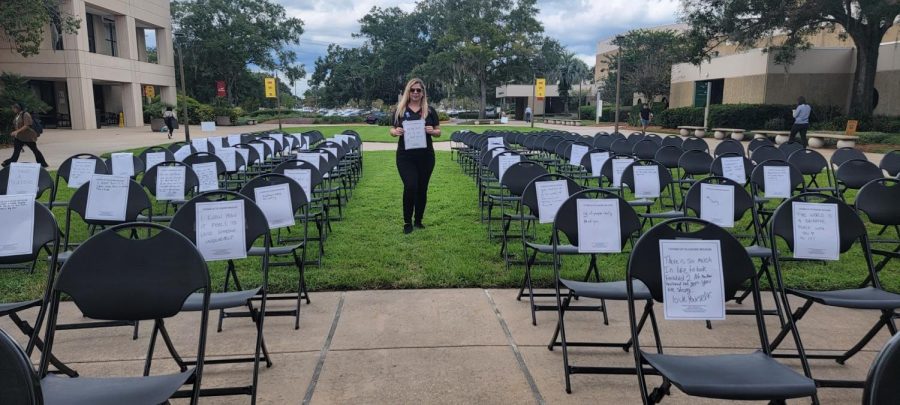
(270, 87)
(220, 88)
(540, 88)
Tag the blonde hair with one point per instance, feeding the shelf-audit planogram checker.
(404, 100)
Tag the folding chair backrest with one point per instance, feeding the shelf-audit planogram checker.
(255, 223)
(665, 178)
(45, 182)
(808, 161)
(645, 149)
(529, 196)
(695, 162)
(170, 157)
(878, 200)
(655, 138)
(766, 152)
(190, 178)
(673, 140)
(20, 384)
(138, 202)
(790, 147)
(890, 163)
(298, 196)
(136, 162)
(603, 141)
(206, 157)
(758, 175)
(621, 147)
(66, 166)
(46, 231)
(116, 278)
(757, 142)
(850, 226)
(586, 159)
(881, 383)
(519, 175)
(668, 155)
(566, 220)
(842, 155)
(729, 146)
(715, 168)
(855, 173)
(494, 165)
(634, 138)
(743, 202)
(174, 147)
(315, 174)
(693, 143)
(252, 154)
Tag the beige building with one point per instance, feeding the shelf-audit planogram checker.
(91, 77)
(520, 96)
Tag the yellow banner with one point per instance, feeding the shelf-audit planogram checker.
(270, 87)
(149, 91)
(540, 88)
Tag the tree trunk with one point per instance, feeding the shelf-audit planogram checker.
(483, 84)
(862, 93)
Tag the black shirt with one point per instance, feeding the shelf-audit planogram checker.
(645, 113)
(431, 120)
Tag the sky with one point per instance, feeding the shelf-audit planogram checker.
(577, 24)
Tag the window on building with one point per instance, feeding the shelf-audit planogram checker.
(56, 37)
(110, 30)
(92, 41)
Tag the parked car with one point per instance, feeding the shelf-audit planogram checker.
(374, 117)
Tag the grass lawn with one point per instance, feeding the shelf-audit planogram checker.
(375, 133)
(367, 250)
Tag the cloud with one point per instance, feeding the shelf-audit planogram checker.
(577, 24)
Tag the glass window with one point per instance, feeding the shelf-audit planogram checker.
(92, 42)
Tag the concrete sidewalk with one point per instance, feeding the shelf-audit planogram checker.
(445, 346)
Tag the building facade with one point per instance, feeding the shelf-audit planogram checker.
(100, 74)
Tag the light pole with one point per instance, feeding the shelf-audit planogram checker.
(618, 78)
(187, 124)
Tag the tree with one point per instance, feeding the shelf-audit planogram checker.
(647, 59)
(222, 37)
(15, 89)
(571, 71)
(23, 23)
(749, 22)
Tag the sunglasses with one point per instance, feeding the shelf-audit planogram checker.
(415, 90)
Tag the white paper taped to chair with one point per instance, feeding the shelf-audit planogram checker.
(270, 143)
(646, 181)
(227, 155)
(122, 163)
(81, 171)
(221, 230)
(23, 178)
(17, 221)
(495, 142)
(618, 167)
(777, 181)
(245, 154)
(275, 202)
(599, 230)
(278, 138)
(816, 231)
(234, 140)
(576, 154)
(504, 162)
(182, 152)
(207, 176)
(597, 161)
(717, 204)
(311, 158)
(170, 183)
(107, 197)
(153, 159)
(692, 279)
(302, 177)
(550, 195)
(733, 168)
(201, 145)
(260, 150)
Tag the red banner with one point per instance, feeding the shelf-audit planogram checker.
(220, 88)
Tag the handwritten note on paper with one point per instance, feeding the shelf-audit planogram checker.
(122, 163)
(550, 196)
(504, 162)
(733, 168)
(576, 154)
(260, 150)
(170, 183)
(618, 167)
(216, 141)
(23, 178)
(207, 176)
(816, 231)
(414, 134)
(227, 155)
(182, 152)
(221, 230)
(495, 142)
(777, 181)
(107, 198)
(275, 203)
(312, 158)
(245, 154)
(81, 171)
(17, 222)
(693, 285)
(646, 181)
(304, 178)
(153, 159)
(201, 145)
(717, 204)
(598, 226)
(598, 159)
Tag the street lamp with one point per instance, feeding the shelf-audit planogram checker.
(187, 124)
(619, 39)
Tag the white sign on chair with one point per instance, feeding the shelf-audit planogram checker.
(816, 231)
(23, 178)
(107, 198)
(221, 230)
(275, 203)
(170, 183)
(717, 204)
(599, 230)
(550, 196)
(692, 279)
(17, 221)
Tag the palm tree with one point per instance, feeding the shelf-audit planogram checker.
(571, 70)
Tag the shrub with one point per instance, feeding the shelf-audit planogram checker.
(776, 124)
(339, 120)
(587, 112)
(385, 121)
(13, 89)
(673, 117)
(442, 116)
(221, 108)
(879, 137)
(746, 116)
(155, 109)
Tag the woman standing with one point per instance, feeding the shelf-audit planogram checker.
(169, 118)
(415, 163)
(24, 135)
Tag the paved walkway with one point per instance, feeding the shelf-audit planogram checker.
(444, 346)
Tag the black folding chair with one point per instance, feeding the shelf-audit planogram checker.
(45, 182)
(672, 140)
(514, 182)
(693, 143)
(766, 152)
(873, 298)
(137, 166)
(881, 382)
(149, 181)
(147, 279)
(853, 175)
(842, 155)
(318, 209)
(811, 163)
(715, 167)
(878, 201)
(664, 179)
(729, 146)
(890, 163)
(64, 172)
(753, 376)
(757, 142)
(566, 223)
(790, 147)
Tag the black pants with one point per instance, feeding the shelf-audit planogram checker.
(170, 123)
(799, 129)
(415, 169)
(17, 149)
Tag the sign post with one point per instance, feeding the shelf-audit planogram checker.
(272, 92)
(540, 91)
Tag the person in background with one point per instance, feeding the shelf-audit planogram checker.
(801, 121)
(646, 116)
(415, 165)
(24, 135)
(169, 118)
(528, 114)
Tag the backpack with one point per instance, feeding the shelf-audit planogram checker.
(37, 125)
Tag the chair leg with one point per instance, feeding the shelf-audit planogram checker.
(886, 318)
(39, 344)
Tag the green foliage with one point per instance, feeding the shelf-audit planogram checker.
(23, 22)
(746, 116)
(442, 116)
(15, 89)
(155, 109)
(221, 108)
(776, 124)
(647, 57)
(674, 117)
(879, 138)
(588, 112)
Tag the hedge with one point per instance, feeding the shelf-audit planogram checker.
(589, 112)
(745, 116)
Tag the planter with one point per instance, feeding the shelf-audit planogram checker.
(223, 120)
(156, 124)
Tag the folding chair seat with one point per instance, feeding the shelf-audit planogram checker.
(752, 376)
(854, 174)
(890, 163)
(299, 204)
(65, 173)
(878, 201)
(881, 382)
(811, 163)
(566, 223)
(255, 229)
(850, 232)
(149, 182)
(148, 280)
(729, 146)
